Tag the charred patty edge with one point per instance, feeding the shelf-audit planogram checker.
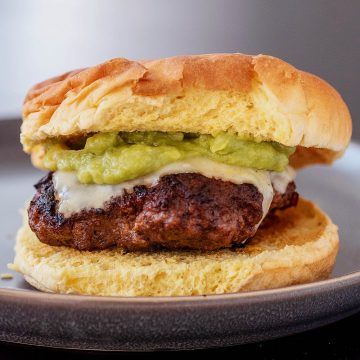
(182, 211)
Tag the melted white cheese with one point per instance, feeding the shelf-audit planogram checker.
(74, 196)
(280, 180)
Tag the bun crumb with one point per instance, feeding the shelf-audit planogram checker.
(6, 276)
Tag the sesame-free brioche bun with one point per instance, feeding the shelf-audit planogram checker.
(297, 245)
(259, 97)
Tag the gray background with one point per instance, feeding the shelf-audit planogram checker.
(41, 38)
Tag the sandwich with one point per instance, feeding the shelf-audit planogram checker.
(176, 177)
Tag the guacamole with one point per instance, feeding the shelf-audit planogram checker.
(112, 158)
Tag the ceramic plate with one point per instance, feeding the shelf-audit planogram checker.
(136, 324)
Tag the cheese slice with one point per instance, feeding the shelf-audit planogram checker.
(74, 196)
(280, 180)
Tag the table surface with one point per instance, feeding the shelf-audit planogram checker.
(336, 341)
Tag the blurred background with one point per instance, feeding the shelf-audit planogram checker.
(42, 38)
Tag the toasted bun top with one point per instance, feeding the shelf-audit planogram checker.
(259, 97)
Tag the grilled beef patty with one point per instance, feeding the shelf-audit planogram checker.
(182, 211)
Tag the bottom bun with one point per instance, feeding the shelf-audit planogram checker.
(295, 246)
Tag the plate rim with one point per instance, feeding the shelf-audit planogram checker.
(338, 282)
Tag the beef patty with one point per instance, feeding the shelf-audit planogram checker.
(182, 211)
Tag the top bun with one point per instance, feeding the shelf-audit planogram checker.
(258, 97)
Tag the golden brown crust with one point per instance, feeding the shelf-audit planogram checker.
(212, 72)
(299, 245)
(307, 156)
(53, 91)
(258, 96)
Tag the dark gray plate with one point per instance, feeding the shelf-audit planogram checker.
(136, 324)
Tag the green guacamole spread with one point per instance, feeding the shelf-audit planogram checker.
(111, 158)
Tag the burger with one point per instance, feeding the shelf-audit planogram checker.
(176, 177)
